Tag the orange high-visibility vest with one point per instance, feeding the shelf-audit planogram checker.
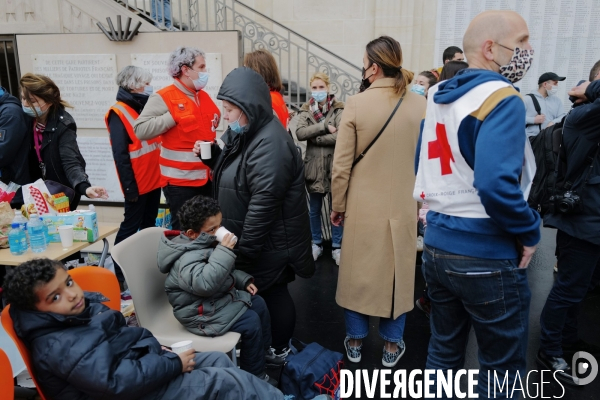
(144, 154)
(179, 166)
(280, 108)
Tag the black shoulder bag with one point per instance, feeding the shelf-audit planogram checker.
(537, 107)
(362, 155)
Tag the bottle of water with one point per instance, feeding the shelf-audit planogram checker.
(17, 239)
(22, 221)
(46, 232)
(36, 234)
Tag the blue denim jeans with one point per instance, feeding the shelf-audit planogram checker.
(316, 202)
(577, 262)
(161, 12)
(493, 296)
(357, 326)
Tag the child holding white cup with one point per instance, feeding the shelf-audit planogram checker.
(209, 296)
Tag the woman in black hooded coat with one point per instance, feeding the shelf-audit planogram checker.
(258, 180)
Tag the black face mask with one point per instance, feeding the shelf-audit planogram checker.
(365, 81)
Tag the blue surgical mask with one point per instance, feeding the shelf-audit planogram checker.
(202, 80)
(235, 125)
(418, 89)
(148, 90)
(319, 96)
(29, 111)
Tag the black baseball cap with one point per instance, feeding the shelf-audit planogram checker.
(550, 76)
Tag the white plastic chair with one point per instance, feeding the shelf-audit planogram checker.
(137, 257)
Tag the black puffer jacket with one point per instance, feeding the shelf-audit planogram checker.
(259, 182)
(94, 355)
(60, 153)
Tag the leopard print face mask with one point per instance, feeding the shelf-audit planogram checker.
(518, 65)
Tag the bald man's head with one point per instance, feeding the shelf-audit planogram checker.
(506, 28)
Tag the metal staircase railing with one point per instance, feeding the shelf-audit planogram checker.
(297, 56)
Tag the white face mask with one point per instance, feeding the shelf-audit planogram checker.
(552, 91)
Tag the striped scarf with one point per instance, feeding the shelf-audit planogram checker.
(318, 111)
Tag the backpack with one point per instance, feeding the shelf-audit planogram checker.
(537, 107)
(546, 147)
(311, 370)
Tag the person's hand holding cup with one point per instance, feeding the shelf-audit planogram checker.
(226, 238)
(202, 149)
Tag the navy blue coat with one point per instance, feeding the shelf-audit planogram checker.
(14, 142)
(581, 136)
(94, 355)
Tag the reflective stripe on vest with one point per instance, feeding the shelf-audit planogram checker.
(146, 148)
(175, 155)
(176, 173)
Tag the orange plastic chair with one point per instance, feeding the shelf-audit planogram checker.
(98, 279)
(7, 382)
(7, 324)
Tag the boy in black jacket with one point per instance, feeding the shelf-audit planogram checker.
(80, 349)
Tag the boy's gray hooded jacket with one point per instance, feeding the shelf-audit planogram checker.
(207, 293)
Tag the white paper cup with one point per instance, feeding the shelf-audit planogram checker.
(180, 347)
(66, 235)
(221, 232)
(205, 153)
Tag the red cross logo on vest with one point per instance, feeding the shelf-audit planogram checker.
(441, 149)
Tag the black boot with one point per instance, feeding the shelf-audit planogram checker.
(555, 364)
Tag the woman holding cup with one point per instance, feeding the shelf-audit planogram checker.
(259, 182)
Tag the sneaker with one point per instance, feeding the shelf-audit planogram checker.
(281, 354)
(317, 251)
(419, 243)
(268, 379)
(558, 365)
(424, 305)
(390, 360)
(556, 268)
(336, 254)
(353, 353)
(272, 359)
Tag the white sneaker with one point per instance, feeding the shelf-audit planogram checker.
(317, 251)
(336, 254)
(419, 243)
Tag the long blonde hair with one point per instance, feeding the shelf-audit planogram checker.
(387, 54)
(44, 88)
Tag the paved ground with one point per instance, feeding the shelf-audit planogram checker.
(320, 319)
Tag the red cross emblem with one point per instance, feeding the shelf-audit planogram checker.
(441, 149)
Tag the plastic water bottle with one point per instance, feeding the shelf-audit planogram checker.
(17, 239)
(46, 232)
(22, 221)
(36, 234)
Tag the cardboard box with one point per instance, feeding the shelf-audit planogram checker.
(85, 225)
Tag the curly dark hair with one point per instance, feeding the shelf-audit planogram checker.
(20, 282)
(194, 212)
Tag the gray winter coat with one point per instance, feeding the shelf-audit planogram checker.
(320, 145)
(207, 294)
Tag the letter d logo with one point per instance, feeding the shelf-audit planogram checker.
(581, 368)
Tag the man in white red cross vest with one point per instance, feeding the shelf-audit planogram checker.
(481, 233)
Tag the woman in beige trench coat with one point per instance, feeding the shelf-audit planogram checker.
(374, 201)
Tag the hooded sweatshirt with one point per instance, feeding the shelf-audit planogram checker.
(207, 293)
(492, 142)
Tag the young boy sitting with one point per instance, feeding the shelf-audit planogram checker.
(209, 296)
(81, 349)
